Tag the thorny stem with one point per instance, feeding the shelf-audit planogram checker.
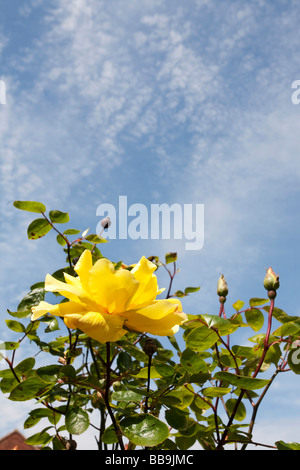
(265, 350)
(171, 278)
(11, 362)
(148, 383)
(63, 236)
(266, 342)
(280, 368)
(221, 309)
(106, 397)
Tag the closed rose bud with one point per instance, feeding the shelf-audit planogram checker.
(271, 281)
(222, 288)
(150, 347)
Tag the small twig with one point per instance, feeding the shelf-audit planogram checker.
(148, 383)
(106, 398)
(171, 278)
(63, 236)
(265, 350)
(266, 341)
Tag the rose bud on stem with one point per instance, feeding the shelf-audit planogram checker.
(271, 283)
(222, 291)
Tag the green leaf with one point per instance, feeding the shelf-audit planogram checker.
(280, 315)
(59, 274)
(144, 430)
(192, 362)
(184, 442)
(255, 318)
(9, 345)
(281, 445)
(241, 410)
(176, 418)
(124, 361)
(58, 217)
(15, 326)
(255, 302)
(52, 324)
(174, 343)
(184, 396)
(20, 314)
(164, 370)
(243, 351)
(238, 305)
(214, 321)
(170, 257)
(67, 372)
(71, 231)
(201, 338)
(8, 383)
(40, 438)
(36, 415)
(30, 388)
(49, 374)
(61, 240)
(38, 229)
(245, 383)
(215, 391)
(179, 294)
(109, 436)
(31, 421)
(30, 206)
(95, 239)
(24, 366)
(191, 428)
(136, 352)
(31, 299)
(77, 421)
(143, 373)
(287, 329)
(126, 395)
(190, 290)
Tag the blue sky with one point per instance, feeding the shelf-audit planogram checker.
(164, 102)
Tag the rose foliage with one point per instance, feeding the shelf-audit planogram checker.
(113, 352)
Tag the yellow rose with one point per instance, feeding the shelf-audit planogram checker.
(103, 300)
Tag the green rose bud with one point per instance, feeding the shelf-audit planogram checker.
(271, 281)
(222, 288)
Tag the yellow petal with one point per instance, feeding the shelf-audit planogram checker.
(58, 310)
(41, 309)
(144, 266)
(72, 290)
(160, 309)
(100, 327)
(166, 326)
(83, 266)
(111, 289)
(148, 288)
(67, 290)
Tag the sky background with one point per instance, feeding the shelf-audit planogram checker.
(164, 102)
